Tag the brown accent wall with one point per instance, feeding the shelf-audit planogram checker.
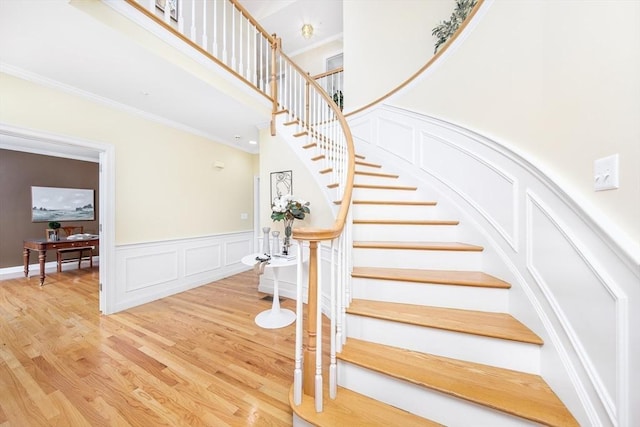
(18, 172)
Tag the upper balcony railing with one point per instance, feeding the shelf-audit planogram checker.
(226, 33)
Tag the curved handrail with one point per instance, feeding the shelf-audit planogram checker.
(321, 234)
(433, 59)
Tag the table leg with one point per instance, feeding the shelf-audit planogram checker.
(275, 307)
(25, 255)
(42, 256)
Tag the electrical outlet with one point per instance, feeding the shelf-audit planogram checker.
(606, 173)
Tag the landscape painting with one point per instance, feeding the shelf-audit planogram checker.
(61, 204)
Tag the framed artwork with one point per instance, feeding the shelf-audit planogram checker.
(52, 235)
(173, 7)
(62, 204)
(281, 183)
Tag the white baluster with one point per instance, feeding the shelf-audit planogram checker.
(193, 20)
(233, 38)
(248, 72)
(333, 372)
(318, 379)
(224, 31)
(180, 17)
(297, 372)
(205, 40)
(338, 302)
(241, 63)
(215, 28)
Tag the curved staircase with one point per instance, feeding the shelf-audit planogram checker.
(429, 337)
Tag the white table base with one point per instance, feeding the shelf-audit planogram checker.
(271, 319)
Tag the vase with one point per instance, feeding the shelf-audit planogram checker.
(288, 230)
(275, 245)
(266, 247)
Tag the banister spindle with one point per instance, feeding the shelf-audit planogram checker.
(297, 372)
(215, 27)
(193, 20)
(333, 371)
(233, 38)
(309, 364)
(205, 40)
(318, 377)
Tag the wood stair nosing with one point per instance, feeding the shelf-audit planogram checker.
(326, 171)
(371, 165)
(443, 277)
(292, 122)
(310, 145)
(319, 157)
(395, 202)
(359, 156)
(377, 174)
(299, 134)
(404, 222)
(385, 187)
(333, 185)
(425, 246)
(355, 409)
(473, 322)
(521, 394)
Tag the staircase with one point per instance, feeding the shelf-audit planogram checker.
(429, 337)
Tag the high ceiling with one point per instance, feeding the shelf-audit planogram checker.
(56, 44)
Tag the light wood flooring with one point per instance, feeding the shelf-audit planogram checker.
(193, 359)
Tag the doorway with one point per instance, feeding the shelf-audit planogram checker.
(26, 140)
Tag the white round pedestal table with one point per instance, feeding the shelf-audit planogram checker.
(275, 317)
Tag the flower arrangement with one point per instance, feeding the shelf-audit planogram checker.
(287, 208)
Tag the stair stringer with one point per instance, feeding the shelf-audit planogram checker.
(589, 368)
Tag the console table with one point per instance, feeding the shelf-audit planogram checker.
(275, 317)
(44, 245)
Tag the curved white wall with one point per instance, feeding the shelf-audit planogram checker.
(571, 285)
(558, 82)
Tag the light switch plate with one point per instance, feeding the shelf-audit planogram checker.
(606, 173)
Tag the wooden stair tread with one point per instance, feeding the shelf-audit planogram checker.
(405, 222)
(445, 277)
(371, 165)
(355, 409)
(385, 187)
(482, 323)
(520, 394)
(395, 202)
(426, 246)
(377, 174)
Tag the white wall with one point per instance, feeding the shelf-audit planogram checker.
(385, 42)
(314, 61)
(555, 82)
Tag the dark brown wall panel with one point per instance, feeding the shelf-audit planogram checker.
(18, 172)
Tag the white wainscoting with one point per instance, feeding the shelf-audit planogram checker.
(572, 282)
(149, 271)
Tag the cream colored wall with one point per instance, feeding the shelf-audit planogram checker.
(276, 155)
(558, 83)
(166, 185)
(555, 82)
(314, 61)
(385, 42)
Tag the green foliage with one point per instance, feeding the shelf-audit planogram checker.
(446, 29)
(338, 98)
(54, 225)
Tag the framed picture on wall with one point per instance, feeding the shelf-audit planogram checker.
(62, 204)
(281, 184)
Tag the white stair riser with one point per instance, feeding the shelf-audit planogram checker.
(365, 211)
(435, 406)
(423, 259)
(381, 194)
(405, 233)
(450, 296)
(472, 348)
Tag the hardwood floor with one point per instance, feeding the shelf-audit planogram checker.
(193, 359)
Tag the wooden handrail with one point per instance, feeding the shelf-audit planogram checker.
(328, 73)
(271, 38)
(323, 234)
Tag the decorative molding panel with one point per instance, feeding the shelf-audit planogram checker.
(573, 280)
(149, 271)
